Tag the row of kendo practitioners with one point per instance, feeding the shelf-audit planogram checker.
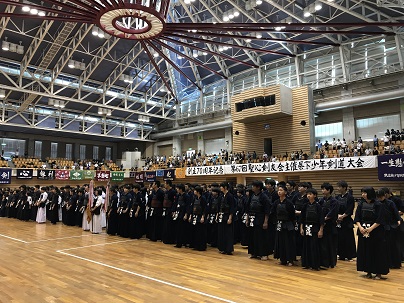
(184, 216)
(286, 222)
(67, 204)
(264, 220)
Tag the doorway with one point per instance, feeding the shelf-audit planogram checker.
(268, 146)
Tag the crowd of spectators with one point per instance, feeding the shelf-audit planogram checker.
(391, 143)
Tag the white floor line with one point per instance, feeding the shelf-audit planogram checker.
(45, 240)
(99, 244)
(15, 239)
(149, 278)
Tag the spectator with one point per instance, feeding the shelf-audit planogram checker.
(375, 141)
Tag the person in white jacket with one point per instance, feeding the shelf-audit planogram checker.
(95, 223)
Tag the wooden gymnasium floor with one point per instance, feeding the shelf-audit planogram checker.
(48, 263)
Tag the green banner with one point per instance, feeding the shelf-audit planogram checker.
(76, 175)
(117, 176)
(88, 174)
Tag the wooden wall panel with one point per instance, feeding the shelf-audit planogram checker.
(286, 132)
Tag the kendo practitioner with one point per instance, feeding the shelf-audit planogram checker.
(285, 244)
(137, 214)
(13, 203)
(123, 212)
(290, 186)
(240, 227)
(369, 216)
(3, 201)
(311, 228)
(392, 221)
(54, 205)
(346, 241)
(258, 210)
(329, 241)
(197, 219)
(65, 193)
(26, 206)
(227, 210)
(298, 201)
(21, 199)
(270, 190)
(214, 202)
(79, 208)
(85, 224)
(7, 197)
(71, 207)
(95, 224)
(41, 213)
(168, 235)
(112, 213)
(400, 207)
(156, 212)
(180, 216)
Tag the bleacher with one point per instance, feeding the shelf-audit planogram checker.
(27, 162)
(4, 163)
(61, 163)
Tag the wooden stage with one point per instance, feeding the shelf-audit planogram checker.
(56, 263)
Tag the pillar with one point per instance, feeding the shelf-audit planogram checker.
(177, 148)
(200, 143)
(348, 124)
(228, 137)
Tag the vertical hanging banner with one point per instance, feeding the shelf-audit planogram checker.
(88, 174)
(159, 173)
(390, 167)
(169, 174)
(62, 174)
(24, 173)
(150, 176)
(76, 175)
(132, 174)
(139, 177)
(45, 174)
(103, 175)
(117, 175)
(5, 175)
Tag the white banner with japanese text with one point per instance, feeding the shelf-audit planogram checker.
(327, 164)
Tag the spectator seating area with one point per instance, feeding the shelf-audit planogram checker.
(20, 162)
(3, 163)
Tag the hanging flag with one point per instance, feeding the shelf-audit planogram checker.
(62, 174)
(24, 173)
(117, 175)
(90, 200)
(103, 175)
(45, 174)
(132, 174)
(150, 176)
(169, 174)
(88, 174)
(180, 173)
(76, 175)
(5, 175)
(139, 177)
(159, 173)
